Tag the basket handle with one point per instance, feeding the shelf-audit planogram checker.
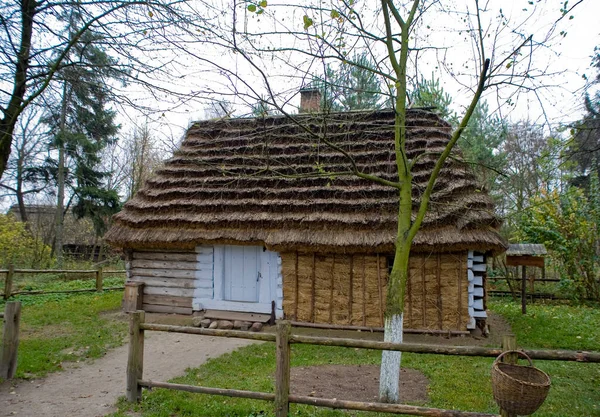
(518, 352)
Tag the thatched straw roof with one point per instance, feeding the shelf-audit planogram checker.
(268, 181)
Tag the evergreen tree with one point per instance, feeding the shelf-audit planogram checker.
(430, 94)
(586, 149)
(482, 140)
(83, 125)
(348, 87)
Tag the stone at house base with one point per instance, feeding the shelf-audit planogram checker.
(213, 325)
(245, 325)
(237, 324)
(224, 324)
(197, 321)
(256, 327)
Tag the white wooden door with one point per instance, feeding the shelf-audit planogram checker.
(242, 273)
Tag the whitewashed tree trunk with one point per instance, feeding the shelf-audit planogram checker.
(389, 377)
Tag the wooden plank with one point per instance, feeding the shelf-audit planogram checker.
(177, 292)
(470, 275)
(166, 282)
(152, 308)
(166, 256)
(163, 273)
(177, 265)
(234, 315)
(168, 300)
(282, 371)
(132, 297)
(525, 260)
(10, 340)
(135, 357)
(204, 293)
(413, 410)
(479, 314)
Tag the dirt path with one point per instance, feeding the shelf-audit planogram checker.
(92, 389)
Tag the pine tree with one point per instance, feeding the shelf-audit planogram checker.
(83, 125)
(350, 86)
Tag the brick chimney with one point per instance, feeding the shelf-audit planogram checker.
(310, 100)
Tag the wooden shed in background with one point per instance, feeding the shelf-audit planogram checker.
(238, 221)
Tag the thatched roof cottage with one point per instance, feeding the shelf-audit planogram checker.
(237, 220)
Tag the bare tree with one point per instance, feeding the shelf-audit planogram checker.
(34, 48)
(24, 175)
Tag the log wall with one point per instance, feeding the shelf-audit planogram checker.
(351, 290)
(168, 277)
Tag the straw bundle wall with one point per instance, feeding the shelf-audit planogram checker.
(351, 290)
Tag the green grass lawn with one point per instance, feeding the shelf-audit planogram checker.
(58, 327)
(455, 382)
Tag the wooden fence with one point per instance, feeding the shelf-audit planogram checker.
(10, 339)
(97, 273)
(283, 339)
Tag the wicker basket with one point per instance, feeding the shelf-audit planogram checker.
(519, 389)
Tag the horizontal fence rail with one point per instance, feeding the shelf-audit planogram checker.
(283, 339)
(98, 273)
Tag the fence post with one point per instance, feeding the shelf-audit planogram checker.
(282, 372)
(509, 342)
(9, 281)
(10, 340)
(135, 360)
(132, 298)
(99, 278)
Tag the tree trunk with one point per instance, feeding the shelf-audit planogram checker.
(15, 105)
(60, 182)
(389, 377)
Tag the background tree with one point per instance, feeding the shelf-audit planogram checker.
(83, 126)
(567, 223)
(585, 149)
(352, 85)
(481, 142)
(24, 175)
(142, 158)
(428, 93)
(35, 45)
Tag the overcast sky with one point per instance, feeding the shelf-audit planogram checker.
(559, 102)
